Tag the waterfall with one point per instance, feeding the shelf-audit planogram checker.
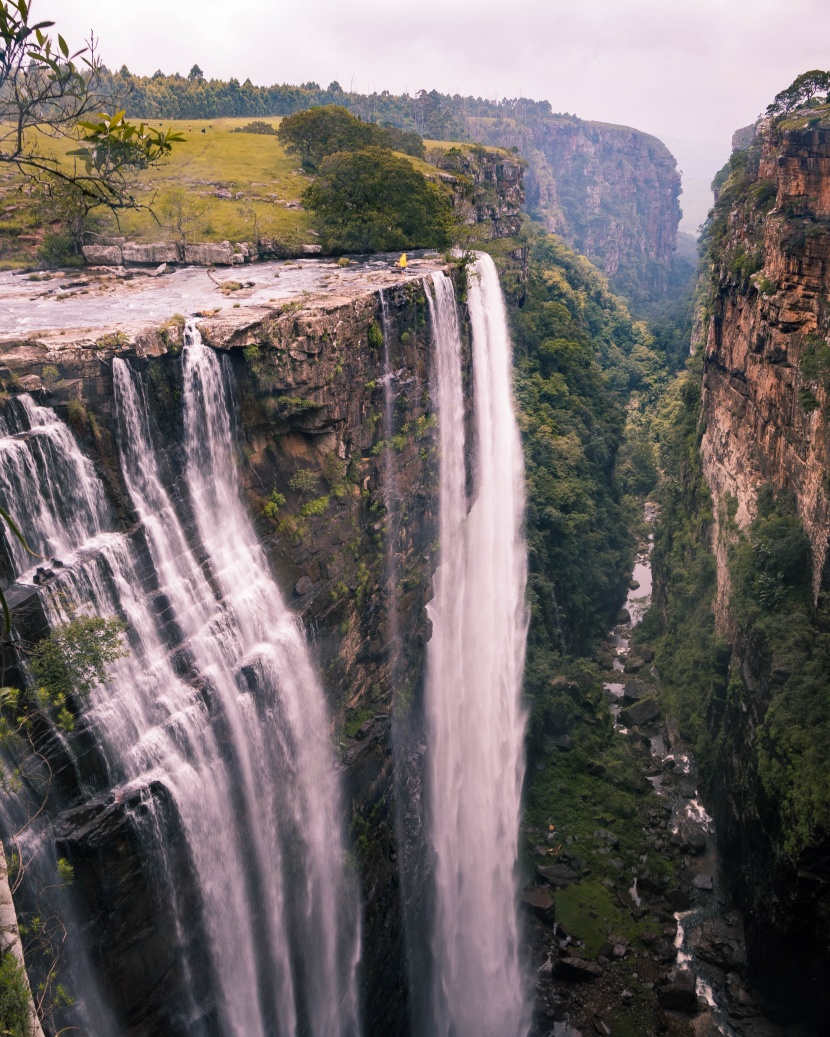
(217, 704)
(475, 659)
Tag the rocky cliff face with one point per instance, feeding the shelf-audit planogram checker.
(765, 412)
(309, 392)
(611, 192)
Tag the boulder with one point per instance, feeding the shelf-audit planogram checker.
(623, 616)
(640, 713)
(558, 875)
(679, 899)
(540, 902)
(703, 881)
(209, 255)
(103, 255)
(577, 969)
(152, 255)
(635, 691)
(564, 742)
(311, 250)
(678, 993)
(633, 664)
(303, 586)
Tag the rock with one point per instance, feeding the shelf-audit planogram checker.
(30, 382)
(564, 742)
(679, 899)
(645, 653)
(577, 969)
(633, 585)
(103, 255)
(692, 841)
(303, 586)
(311, 250)
(703, 881)
(152, 255)
(604, 835)
(540, 902)
(678, 994)
(623, 616)
(640, 713)
(633, 664)
(664, 951)
(209, 255)
(559, 875)
(605, 660)
(635, 691)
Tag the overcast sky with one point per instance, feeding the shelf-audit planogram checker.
(688, 71)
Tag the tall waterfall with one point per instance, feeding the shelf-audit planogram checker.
(217, 703)
(475, 660)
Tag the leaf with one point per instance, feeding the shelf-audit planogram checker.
(13, 527)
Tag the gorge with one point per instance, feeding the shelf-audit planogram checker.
(416, 608)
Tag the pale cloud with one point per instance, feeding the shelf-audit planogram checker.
(688, 71)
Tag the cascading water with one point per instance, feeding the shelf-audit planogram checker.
(475, 658)
(217, 704)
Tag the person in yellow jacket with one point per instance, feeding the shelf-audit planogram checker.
(402, 261)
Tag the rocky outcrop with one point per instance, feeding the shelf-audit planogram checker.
(610, 191)
(309, 396)
(490, 186)
(765, 415)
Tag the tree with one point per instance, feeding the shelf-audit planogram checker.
(800, 92)
(195, 73)
(374, 201)
(46, 93)
(317, 132)
(182, 212)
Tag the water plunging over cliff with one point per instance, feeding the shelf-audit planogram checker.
(215, 720)
(474, 668)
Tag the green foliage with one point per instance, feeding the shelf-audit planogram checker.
(272, 506)
(315, 508)
(316, 133)
(303, 480)
(374, 201)
(680, 623)
(76, 416)
(75, 657)
(257, 126)
(579, 357)
(375, 335)
(15, 1019)
(800, 92)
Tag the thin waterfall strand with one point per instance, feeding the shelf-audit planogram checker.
(474, 670)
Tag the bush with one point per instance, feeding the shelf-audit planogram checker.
(14, 998)
(257, 126)
(374, 201)
(318, 132)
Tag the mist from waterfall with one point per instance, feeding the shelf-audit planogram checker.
(216, 719)
(475, 721)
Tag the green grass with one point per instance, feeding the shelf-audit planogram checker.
(218, 159)
(588, 911)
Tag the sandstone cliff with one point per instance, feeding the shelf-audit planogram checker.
(765, 420)
(610, 191)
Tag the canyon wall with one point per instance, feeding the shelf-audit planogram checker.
(610, 191)
(765, 293)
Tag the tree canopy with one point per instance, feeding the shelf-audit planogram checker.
(374, 201)
(800, 92)
(318, 132)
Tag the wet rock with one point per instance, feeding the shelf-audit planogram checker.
(718, 943)
(540, 902)
(303, 586)
(704, 882)
(623, 616)
(633, 664)
(640, 713)
(645, 653)
(678, 993)
(605, 660)
(578, 969)
(636, 691)
(664, 951)
(559, 875)
(679, 899)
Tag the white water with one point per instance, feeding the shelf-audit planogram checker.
(218, 702)
(474, 668)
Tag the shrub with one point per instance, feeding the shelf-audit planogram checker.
(257, 126)
(374, 201)
(315, 133)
